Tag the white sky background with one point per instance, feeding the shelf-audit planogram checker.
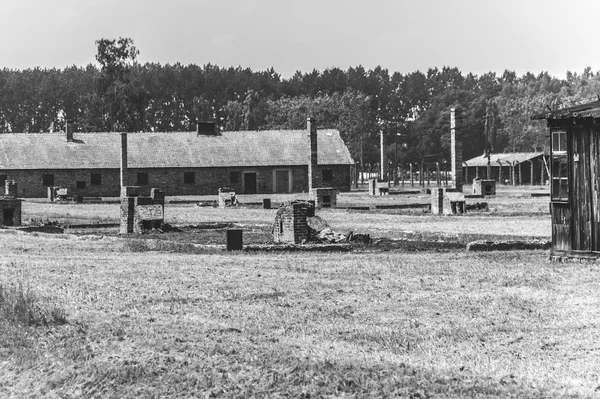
(474, 35)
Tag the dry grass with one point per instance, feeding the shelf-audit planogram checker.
(287, 325)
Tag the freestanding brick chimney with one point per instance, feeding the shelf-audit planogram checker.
(123, 161)
(313, 176)
(69, 130)
(456, 148)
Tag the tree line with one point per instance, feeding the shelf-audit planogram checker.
(412, 110)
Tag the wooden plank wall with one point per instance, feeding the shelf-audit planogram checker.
(580, 196)
(561, 226)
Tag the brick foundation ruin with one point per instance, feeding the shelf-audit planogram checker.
(447, 202)
(484, 187)
(10, 206)
(378, 187)
(325, 197)
(291, 225)
(141, 214)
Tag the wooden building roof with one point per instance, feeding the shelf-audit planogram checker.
(588, 110)
(169, 150)
(504, 159)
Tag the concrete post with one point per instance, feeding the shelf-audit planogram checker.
(381, 176)
(311, 126)
(456, 148)
(531, 172)
(542, 171)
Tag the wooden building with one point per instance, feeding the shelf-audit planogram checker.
(575, 180)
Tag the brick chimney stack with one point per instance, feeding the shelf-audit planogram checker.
(456, 148)
(69, 130)
(123, 161)
(313, 176)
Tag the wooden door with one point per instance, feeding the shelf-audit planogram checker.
(595, 187)
(581, 193)
(282, 181)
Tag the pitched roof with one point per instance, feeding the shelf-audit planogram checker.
(589, 110)
(504, 159)
(173, 149)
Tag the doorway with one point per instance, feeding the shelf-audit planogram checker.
(282, 181)
(249, 182)
(8, 216)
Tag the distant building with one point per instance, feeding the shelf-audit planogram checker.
(179, 163)
(514, 168)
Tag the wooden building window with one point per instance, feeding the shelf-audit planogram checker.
(560, 166)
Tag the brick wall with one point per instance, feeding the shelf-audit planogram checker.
(207, 180)
(290, 225)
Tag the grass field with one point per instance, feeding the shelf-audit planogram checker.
(380, 324)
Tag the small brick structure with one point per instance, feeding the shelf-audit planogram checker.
(10, 205)
(379, 187)
(484, 187)
(141, 214)
(325, 197)
(291, 225)
(447, 202)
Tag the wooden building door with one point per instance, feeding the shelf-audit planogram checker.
(584, 179)
(595, 187)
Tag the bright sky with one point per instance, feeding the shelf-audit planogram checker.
(401, 35)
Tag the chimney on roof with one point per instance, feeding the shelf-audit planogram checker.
(311, 127)
(206, 128)
(69, 130)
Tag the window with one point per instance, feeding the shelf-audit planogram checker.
(560, 166)
(235, 177)
(189, 178)
(559, 141)
(327, 175)
(142, 179)
(96, 179)
(3, 180)
(80, 184)
(48, 180)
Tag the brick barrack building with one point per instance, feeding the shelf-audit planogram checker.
(179, 163)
